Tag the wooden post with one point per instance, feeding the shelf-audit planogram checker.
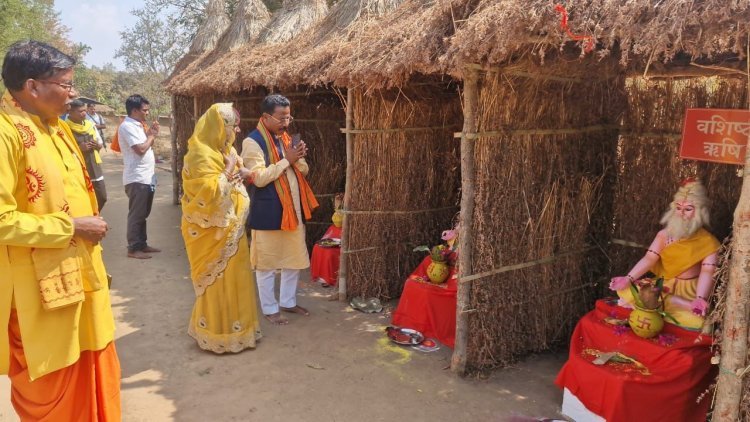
(466, 237)
(734, 343)
(343, 267)
(175, 154)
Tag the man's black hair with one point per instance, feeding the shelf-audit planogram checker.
(77, 104)
(135, 102)
(31, 59)
(273, 101)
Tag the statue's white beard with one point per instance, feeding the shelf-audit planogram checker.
(679, 228)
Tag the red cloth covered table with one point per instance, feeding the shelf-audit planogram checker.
(324, 263)
(428, 308)
(678, 363)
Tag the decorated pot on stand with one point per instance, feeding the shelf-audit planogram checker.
(337, 218)
(438, 271)
(645, 323)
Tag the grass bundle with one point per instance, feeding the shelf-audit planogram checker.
(205, 40)
(294, 17)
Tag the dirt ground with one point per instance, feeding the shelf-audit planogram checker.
(335, 365)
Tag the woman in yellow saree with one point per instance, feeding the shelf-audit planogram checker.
(214, 209)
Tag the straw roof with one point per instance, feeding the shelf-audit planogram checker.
(644, 31)
(294, 17)
(207, 36)
(249, 19)
(315, 50)
(390, 49)
(346, 12)
(354, 46)
(491, 32)
(248, 65)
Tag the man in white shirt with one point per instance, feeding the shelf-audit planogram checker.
(138, 176)
(98, 122)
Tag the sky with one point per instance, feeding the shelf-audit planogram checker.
(98, 23)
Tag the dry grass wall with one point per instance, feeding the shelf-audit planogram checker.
(650, 169)
(405, 182)
(545, 167)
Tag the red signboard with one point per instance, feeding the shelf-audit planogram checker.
(717, 135)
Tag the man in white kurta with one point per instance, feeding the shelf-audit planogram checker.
(271, 248)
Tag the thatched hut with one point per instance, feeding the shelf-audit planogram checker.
(216, 22)
(567, 156)
(538, 159)
(207, 36)
(318, 114)
(555, 135)
(564, 153)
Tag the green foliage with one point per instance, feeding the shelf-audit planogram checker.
(37, 19)
(152, 44)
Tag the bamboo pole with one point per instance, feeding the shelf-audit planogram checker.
(175, 155)
(466, 238)
(734, 342)
(517, 132)
(398, 129)
(345, 223)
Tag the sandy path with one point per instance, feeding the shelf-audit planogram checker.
(332, 366)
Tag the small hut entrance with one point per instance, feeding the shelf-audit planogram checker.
(649, 164)
(318, 118)
(404, 185)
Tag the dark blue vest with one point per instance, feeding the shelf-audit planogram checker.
(265, 205)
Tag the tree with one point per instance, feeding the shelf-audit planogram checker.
(37, 19)
(188, 15)
(152, 45)
(33, 19)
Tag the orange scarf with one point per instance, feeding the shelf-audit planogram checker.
(307, 198)
(115, 144)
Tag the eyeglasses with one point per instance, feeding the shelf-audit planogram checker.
(289, 119)
(67, 86)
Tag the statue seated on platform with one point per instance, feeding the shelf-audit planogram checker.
(684, 254)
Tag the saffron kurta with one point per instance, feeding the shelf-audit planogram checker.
(274, 249)
(43, 186)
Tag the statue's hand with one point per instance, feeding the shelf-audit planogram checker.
(699, 306)
(619, 283)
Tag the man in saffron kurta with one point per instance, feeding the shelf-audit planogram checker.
(59, 352)
(279, 202)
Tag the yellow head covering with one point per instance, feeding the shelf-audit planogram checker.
(212, 139)
(214, 209)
